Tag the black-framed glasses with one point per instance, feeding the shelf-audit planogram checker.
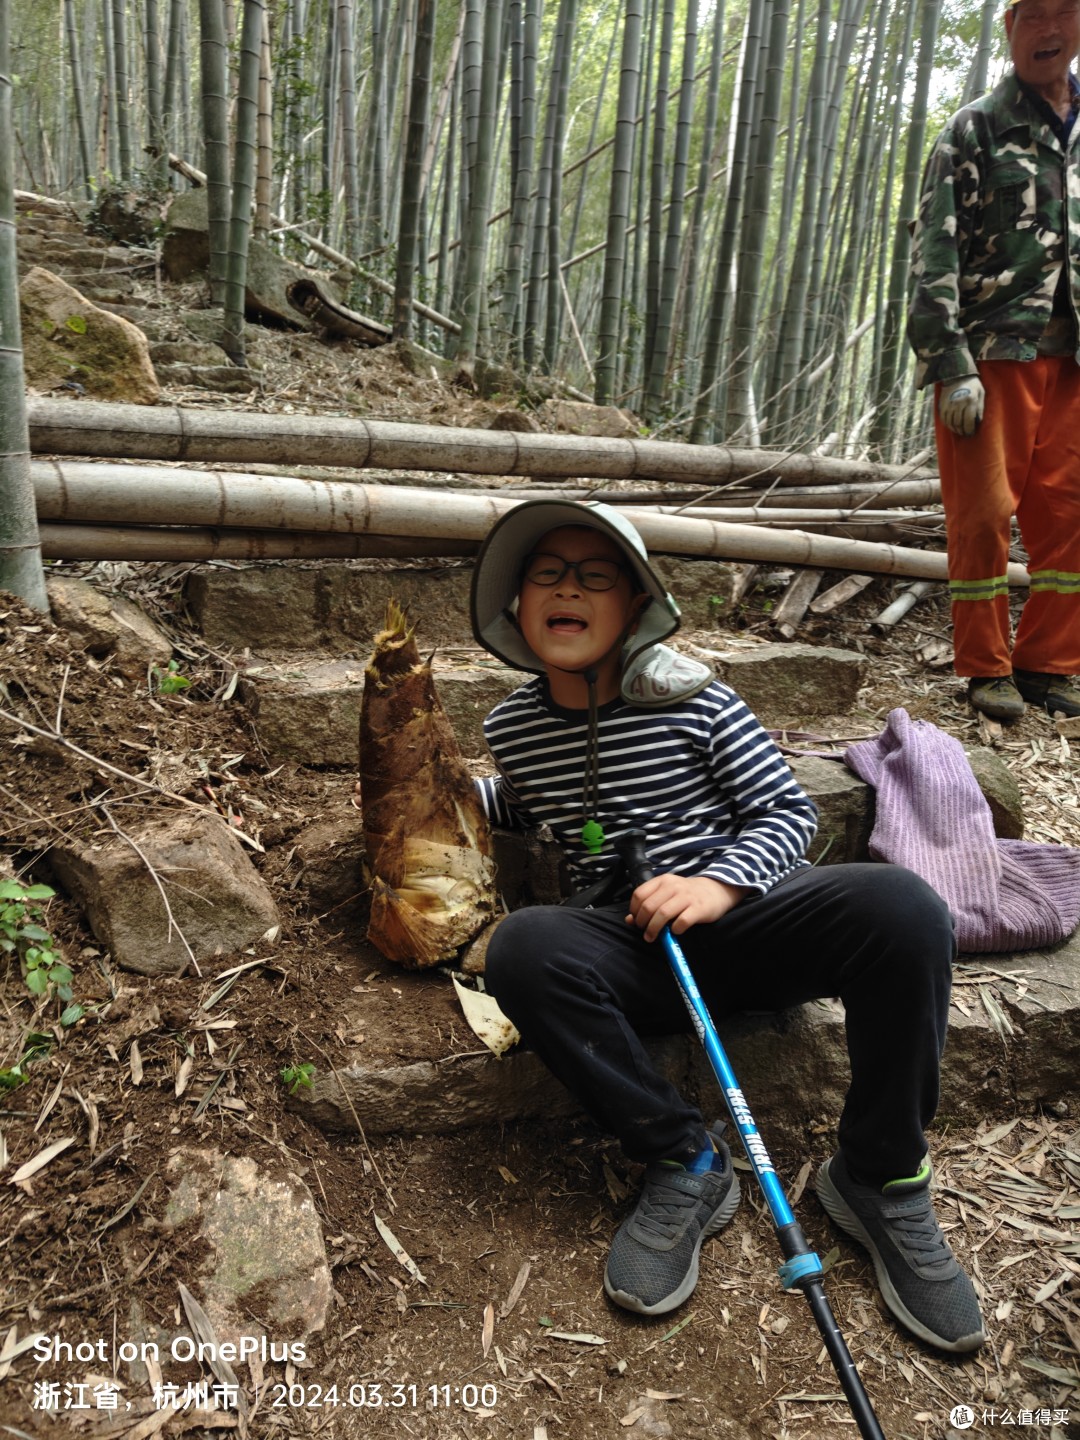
(543, 569)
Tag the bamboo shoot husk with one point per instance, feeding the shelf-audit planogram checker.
(64, 427)
(130, 494)
(427, 839)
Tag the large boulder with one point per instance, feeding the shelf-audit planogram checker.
(218, 900)
(108, 625)
(185, 252)
(68, 340)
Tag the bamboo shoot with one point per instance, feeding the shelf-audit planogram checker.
(428, 841)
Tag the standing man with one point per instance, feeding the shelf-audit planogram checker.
(995, 294)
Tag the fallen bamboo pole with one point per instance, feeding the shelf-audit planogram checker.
(827, 497)
(129, 494)
(182, 542)
(66, 427)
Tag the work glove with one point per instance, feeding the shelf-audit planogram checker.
(960, 404)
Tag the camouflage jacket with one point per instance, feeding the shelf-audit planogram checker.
(992, 234)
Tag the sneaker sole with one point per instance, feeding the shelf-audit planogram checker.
(721, 1216)
(841, 1214)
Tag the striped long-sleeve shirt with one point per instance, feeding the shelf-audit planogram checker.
(702, 779)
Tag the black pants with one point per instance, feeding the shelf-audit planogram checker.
(583, 987)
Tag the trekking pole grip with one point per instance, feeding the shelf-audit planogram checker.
(630, 849)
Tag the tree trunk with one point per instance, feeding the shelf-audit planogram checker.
(123, 94)
(347, 98)
(411, 237)
(894, 343)
(159, 167)
(247, 112)
(622, 167)
(213, 56)
(669, 277)
(21, 570)
(77, 96)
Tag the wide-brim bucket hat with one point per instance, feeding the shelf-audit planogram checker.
(497, 577)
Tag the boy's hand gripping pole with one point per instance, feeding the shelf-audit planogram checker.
(801, 1269)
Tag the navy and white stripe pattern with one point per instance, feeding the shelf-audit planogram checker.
(702, 779)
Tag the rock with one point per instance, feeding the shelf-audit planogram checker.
(438, 1097)
(185, 252)
(267, 1272)
(65, 337)
(1000, 791)
(700, 588)
(278, 609)
(516, 420)
(310, 712)
(846, 809)
(270, 608)
(185, 248)
(785, 685)
(187, 352)
(108, 625)
(575, 417)
(126, 215)
(217, 897)
(225, 379)
(205, 327)
(329, 856)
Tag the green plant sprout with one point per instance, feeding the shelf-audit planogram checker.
(170, 681)
(35, 1046)
(22, 935)
(295, 1077)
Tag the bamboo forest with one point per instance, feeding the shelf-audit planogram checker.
(699, 212)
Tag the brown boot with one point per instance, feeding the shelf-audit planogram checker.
(996, 696)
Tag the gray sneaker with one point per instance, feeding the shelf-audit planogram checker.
(920, 1277)
(653, 1265)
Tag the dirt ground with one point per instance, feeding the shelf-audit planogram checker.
(509, 1334)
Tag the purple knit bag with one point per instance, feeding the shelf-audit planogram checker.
(932, 818)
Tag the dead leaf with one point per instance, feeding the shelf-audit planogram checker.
(398, 1251)
(665, 1394)
(13, 1347)
(515, 1290)
(580, 1338)
(800, 1184)
(183, 1075)
(489, 1328)
(508, 1175)
(202, 1328)
(135, 1063)
(486, 1020)
(41, 1159)
(633, 1416)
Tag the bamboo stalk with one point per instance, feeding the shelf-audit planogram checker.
(73, 427)
(178, 543)
(122, 494)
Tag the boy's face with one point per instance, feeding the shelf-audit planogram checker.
(568, 625)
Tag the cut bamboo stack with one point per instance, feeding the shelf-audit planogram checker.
(98, 510)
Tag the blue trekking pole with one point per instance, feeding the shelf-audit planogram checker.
(801, 1269)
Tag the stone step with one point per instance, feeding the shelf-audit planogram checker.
(77, 255)
(309, 712)
(792, 1066)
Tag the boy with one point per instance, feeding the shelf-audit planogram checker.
(617, 732)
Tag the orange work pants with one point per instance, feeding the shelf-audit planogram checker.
(1023, 460)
